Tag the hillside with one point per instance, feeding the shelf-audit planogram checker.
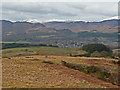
(107, 26)
(62, 34)
(23, 69)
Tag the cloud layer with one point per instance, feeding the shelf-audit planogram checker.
(17, 11)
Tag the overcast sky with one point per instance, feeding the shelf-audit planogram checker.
(42, 11)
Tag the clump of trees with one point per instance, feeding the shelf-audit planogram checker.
(90, 48)
(96, 50)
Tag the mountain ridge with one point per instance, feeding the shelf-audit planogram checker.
(107, 26)
(61, 34)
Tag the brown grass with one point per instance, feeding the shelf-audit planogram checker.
(30, 72)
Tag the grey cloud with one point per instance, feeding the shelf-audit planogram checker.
(44, 11)
(41, 8)
(101, 8)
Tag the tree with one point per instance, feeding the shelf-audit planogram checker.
(90, 48)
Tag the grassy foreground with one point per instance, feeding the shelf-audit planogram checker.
(41, 67)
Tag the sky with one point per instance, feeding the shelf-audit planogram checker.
(46, 11)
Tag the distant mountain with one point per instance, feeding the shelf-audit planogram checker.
(23, 27)
(106, 26)
(13, 31)
(64, 34)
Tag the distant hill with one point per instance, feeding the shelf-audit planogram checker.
(15, 31)
(106, 26)
(63, 34)
(23, 27)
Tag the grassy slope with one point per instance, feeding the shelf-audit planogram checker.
(57, 54)
(38, 75)
(29, 71)
(38, 50)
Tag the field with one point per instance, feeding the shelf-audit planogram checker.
(46, 36)
(15, 42)
(38, 50)
(41, 67)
